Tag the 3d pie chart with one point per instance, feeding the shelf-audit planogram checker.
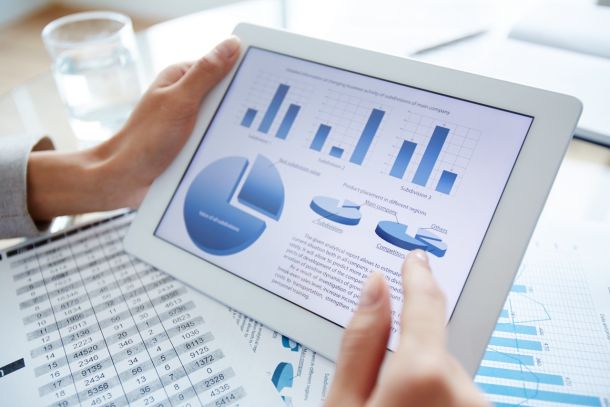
(283, 376)
(213, 223)
(396, 234)
(346, 212)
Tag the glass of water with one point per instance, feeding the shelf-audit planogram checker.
(95, 67)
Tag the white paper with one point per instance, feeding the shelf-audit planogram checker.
(93, 326)
(552, 343)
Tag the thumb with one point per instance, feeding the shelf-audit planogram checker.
(207, 71)
(363, 347)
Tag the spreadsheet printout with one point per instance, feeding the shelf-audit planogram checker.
(84, 323)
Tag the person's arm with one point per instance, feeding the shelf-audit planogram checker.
(15, 219)
(421, 372)
(118, 172)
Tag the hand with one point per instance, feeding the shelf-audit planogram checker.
(421, 372)
(118, 172)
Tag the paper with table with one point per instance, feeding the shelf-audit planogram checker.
(83, 323)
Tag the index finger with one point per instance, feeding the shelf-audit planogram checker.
(423, 311)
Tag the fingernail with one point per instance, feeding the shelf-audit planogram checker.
(228, 47)
(419, 255)
(371, 292)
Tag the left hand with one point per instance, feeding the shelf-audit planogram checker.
(118, 172)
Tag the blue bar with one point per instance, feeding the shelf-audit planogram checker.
(521, 375)
(273, 108)
(402, 159)
(513, 358)
(445, 182)
(542, 395)
(320, 137)
(504, 313)
(516, 328)
(287, 121)
(518, 288)
(515, 343)
(366, 138)
(336, 152)
(248, 118)
(433, 150)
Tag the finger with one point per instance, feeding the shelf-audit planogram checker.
(209, 70)
(171, 74)
(364, 345)
(423, 313)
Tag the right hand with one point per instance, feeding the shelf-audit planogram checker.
(421, 372)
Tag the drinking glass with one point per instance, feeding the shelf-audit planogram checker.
(95, 67)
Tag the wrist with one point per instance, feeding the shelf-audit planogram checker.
(65, 183)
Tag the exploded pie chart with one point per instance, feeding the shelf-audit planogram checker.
(213, 223)
(346, 212)
(396, 233)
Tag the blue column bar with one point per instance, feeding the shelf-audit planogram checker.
(320, 137)
(402, 159)
(287, 121)
(433, 150)
(542, 395)
(521, 375)
(515, 343)
(445, 182)
(513, 358)
(518, 288)
(366, 138)
(248, 118)
(336, 152)
(273, 108)
(516, 328)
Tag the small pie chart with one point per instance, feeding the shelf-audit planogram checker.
(283, 376)
(345, 213)
(217, 227)
(396, 234)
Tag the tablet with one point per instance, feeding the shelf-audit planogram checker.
(314, 164)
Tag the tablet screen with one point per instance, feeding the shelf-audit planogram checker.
(310, 177)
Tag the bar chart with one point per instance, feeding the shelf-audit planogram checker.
(542, 352)
(319, 141)
(434, 154)
(346, 128)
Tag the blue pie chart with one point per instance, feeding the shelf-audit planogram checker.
(396, 234)
(283, 376)
(213, 223)
(346, 213)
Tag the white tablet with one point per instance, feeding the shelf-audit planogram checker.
(313, 164)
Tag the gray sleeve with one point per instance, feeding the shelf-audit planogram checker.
(15, 220)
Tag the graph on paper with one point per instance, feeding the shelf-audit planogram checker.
(550, 345)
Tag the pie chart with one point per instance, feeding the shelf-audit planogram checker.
(396, 234)
(213, 223)
(346, 213)
(283, 376)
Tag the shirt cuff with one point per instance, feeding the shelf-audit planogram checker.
(15, 219)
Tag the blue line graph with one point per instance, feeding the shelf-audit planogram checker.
(513, 358)
(516, 328)
(512, 371)
(515, 343)
(551, 396)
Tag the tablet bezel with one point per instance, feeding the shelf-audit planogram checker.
(484, 293)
